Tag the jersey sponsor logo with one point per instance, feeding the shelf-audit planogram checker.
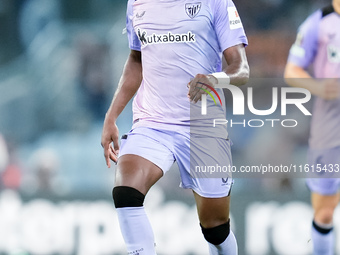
(192, 9)
(165, 38)
(234, 18)
(333, 54)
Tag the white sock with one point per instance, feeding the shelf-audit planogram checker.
(323, 243)
(228, 247)
(136, 230)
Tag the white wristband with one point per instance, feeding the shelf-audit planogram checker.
(222, 78)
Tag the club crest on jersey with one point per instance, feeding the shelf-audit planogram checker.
(192, 9)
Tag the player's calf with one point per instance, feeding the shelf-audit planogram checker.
(134, 223)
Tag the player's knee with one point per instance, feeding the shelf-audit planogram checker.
(218, 234)
(324, 215)
(124, 196)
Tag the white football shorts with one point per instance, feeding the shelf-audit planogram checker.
(325, 164)
(203, 161)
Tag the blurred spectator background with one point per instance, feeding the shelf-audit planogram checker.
(60, 62)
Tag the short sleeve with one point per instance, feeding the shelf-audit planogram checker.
(228, 25)
(303, 51)
(134, 42)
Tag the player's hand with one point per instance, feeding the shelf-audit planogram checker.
(110, 135)
(198, 86)
(330, 89)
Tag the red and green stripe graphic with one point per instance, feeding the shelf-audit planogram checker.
(209, 93)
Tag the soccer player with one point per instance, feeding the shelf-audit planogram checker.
(176, 55)
(318, 43)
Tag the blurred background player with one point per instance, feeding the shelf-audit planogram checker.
(318, 43)
(175, 46)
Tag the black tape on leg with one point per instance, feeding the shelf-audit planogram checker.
(124, 196)
(216, 235)
(321, 230)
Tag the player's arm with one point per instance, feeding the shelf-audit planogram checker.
(297, 76)
(235, 72)
(127, 87)
(237, 67)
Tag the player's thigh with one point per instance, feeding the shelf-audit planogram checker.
(324, 206)
(212, 212)
(143, 159)
(320, 201)
(137, 172)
